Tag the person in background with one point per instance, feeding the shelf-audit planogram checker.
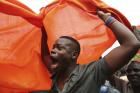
(133, 76)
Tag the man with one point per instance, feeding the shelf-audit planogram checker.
(69, 77)
(133, 75)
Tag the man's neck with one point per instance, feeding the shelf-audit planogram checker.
(63, 76)
(66, 72)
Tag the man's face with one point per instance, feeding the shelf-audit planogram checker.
(61, 54)
(133, 73)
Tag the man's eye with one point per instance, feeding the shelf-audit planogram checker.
(136, 70)
(59, 48)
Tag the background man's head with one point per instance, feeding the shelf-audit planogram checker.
(133, 73)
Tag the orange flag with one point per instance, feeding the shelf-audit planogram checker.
(21, 66)
(77, 18)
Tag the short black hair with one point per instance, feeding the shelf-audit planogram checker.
(132, 62)
(77, 44)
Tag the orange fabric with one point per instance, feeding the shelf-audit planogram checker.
(21, 67)
(18, 9)
(77, 18)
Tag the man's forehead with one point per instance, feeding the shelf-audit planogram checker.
(63, 41)
(135, 64)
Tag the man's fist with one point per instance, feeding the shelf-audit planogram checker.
(103, 15)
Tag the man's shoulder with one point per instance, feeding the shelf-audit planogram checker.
(93, 63)
(100, 62)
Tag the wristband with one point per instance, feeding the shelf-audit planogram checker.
(110, 20)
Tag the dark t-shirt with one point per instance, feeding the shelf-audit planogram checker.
(85, 78)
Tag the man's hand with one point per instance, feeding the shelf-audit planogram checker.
(103, 15)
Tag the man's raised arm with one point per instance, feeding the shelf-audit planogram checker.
(129, 44)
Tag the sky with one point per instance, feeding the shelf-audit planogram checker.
(128, 8)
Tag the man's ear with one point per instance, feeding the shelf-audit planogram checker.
(75, 54)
